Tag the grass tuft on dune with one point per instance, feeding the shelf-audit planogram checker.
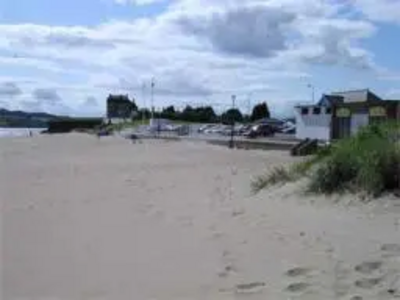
(367, 162)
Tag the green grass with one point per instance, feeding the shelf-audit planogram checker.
(367, 162)
(278, 175)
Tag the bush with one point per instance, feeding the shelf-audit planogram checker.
(367, 162)
(277, 175)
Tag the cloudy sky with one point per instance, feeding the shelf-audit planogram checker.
(66, 56)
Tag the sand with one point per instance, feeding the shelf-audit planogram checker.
(106, 219)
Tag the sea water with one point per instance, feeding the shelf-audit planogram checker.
(18, 132)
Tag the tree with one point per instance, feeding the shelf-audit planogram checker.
(169, 110)
(144, 113)
(260, 111)
(120, 106)
(187, 114)
(208, 114)
(232, 115)
(169, 113)
(202, 114)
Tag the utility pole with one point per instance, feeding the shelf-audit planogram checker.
(311, 86)
(144, 103)
(232, 123)
(152, 98)
(249, 105)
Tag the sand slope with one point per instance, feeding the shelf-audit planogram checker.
(104, 219)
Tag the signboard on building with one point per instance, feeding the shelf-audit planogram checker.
(343, 112)
(377, 111)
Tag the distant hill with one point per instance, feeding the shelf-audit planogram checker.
(17, 118)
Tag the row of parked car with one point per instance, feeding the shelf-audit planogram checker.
(261, 129)
(247, 130)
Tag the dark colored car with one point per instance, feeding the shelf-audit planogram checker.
(260, 130)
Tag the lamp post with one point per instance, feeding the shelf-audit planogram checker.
(312, 87)
(249, 105)
(152, 97)
(232, 123)
(144, 103)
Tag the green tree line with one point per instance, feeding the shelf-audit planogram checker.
(121, 106)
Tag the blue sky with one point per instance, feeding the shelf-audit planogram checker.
(199, 52)
(75, 12)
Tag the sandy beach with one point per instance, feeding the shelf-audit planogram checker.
(84, 218)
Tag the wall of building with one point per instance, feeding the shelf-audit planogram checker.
(313, 126)
(362, 114)
(358, 120)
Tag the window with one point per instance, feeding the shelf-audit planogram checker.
(304, 111)
(316, 110)
(328, 110)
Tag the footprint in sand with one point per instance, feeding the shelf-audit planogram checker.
(297, 287)
(217, 235)
(356, 298)
(296, 272)
(238, 212)
(229, 263)
(368, 267)
(388, 294)
(368, 283)
(390, 250)
(229, 269)
(300, 286)
(252, 287)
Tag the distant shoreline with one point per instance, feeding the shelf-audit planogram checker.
(7, 132)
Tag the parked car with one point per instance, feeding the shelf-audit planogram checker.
(244, 128)
(260, 130)
(289, 130)
(237, 129)
(205, 127)
(216, 129)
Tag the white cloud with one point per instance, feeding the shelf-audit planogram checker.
(379, 10)
(393, 94)
(196, 50)
(38, 63)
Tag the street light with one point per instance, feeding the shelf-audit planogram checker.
(249, 104)
(152, 98)
(311, 86)
(144, 103)
(232, 122)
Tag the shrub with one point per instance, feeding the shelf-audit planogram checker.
(368, 161)
(277, 175)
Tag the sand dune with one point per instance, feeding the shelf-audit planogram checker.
(105, 219)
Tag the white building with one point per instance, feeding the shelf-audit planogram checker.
(315, 121)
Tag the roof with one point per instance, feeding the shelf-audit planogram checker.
(337, 98)
(351, 96)
(307, 105)
(329, 100)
